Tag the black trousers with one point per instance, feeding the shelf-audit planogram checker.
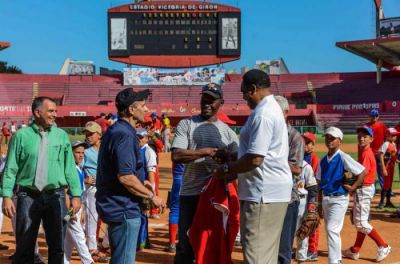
(32, 208)
(187, 210)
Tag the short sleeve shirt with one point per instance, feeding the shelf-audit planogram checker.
(151, 158)
(306, 178)
(379, 130)
(265, 133)
(196, 133)
(367, 159)
(119, 155)
(90, 161)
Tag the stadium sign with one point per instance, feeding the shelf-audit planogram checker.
(389, 27)
(174, 34)
(192, 76)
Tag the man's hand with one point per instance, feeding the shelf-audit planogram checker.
(76, 205)
(384, 172)
(208, 152)
(90, 180)
(219, 173)
(158, 202)
(222, 155)
(8, 207)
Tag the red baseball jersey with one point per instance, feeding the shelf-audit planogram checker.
(379, 130)
(367, 158)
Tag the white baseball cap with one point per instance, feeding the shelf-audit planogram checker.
(334, 132)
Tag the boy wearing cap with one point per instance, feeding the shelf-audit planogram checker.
(388, 159)
(379, 130)
(335, 198)
(362, 200)
(92, 133)
(311, 158)
(75, 237)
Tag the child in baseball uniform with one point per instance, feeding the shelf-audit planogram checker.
(74, 235)
(362, 200)
(311, 158)
(335, 198)
(388, 157)
(307, 188)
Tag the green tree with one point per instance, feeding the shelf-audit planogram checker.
(4, 68)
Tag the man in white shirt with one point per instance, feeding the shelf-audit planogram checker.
(265, 180)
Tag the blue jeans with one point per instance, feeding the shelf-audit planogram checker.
(32, 208)
(287, 235)
(123, 238)
(379, 171)
(187, 209)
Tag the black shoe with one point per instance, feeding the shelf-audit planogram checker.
(3, 247)
(39, 259)
(390, 205)
(380, 206)
(11, 257)
(171, 248)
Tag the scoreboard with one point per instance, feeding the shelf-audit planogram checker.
(174, 33)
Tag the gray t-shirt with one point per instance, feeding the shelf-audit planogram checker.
(196, 133)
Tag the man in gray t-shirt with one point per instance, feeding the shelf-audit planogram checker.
(196, 142)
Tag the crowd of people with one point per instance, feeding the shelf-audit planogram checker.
(261, 186)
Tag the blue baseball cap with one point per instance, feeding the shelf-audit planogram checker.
(141, 132)
(153, 114)
(374, 112)
(366, 129)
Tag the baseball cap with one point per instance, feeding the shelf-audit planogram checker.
(213, 89)
(392, 131)
(128, 96)
(78, 143)
(153, 114)
(334, 132)
(366, 129)
(141, 132)
(310, 136)
(92, 127)
(374, 112)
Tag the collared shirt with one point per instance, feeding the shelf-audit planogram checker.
(23, 157)
(90, 164)
(265, 133)
(379, 130)
(296, 157)
(119, 154)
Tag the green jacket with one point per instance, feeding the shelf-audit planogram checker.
(22, 160)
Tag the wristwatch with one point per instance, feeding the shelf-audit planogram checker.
(225, 168)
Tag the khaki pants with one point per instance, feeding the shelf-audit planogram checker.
(260, 230)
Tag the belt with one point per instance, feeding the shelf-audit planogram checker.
(334, 194)
(37, 192)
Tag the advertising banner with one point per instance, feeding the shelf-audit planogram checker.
(155, 77)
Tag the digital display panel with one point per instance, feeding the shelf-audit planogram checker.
(160, 29)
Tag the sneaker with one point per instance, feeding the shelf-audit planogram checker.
(380, 206)
(390, 205)
(312, 257)
(3, 247)
(154, 216)
(350, 254)
(171, 248)
(383, 252)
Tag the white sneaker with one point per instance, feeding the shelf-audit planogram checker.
(383, 252)
(349, 254)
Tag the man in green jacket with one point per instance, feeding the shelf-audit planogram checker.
(40, 167)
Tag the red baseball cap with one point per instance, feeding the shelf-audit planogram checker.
(310, 136)
(392, 131)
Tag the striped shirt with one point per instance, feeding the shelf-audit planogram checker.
(195, 133)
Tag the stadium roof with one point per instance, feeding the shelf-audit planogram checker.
(374, 50)
(4, 45)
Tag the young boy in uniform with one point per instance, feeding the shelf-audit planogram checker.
(362, 200)
(335, 199)
(74, 235)
(388, 157)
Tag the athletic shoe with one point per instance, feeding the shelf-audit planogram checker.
(350, 254)
(383, 252)
(3, 247)
(154, 216)
(380, 206)
(312, 257)
(301, 260)
(390, 205)
(171, 248)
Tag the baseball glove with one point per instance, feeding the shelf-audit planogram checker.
(308, 225)
(349, 178)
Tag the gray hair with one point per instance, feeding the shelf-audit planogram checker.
(283, 102)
